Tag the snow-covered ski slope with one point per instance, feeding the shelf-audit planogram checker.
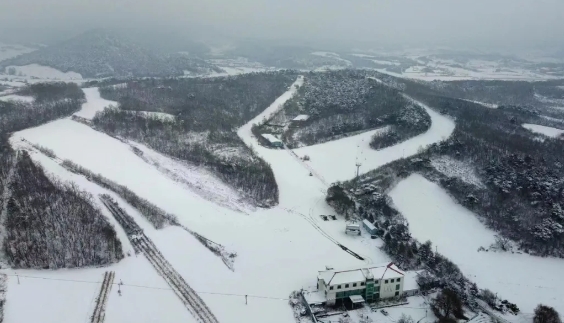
(520, 278)
(94, 103)
(544, 130)
(278, 250)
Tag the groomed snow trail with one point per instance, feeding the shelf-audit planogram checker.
(520, 278)
(94, 103)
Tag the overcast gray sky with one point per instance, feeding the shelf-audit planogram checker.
(483, 22)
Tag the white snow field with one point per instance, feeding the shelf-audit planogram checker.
(544, 130)
(457, 233)
(13, 50)
(17, 98)
(45, 72)
(279, 250)
(336, 160)
(94, 103)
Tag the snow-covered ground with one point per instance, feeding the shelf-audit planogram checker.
(544, 130)
(13, 50)
(159, 115)
(278, 250)
(44, 72)
(337, 160)
(17, 98)
(457, 233)
(94, 103)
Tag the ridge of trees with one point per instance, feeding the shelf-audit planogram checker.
(206, 113)
(53, 225)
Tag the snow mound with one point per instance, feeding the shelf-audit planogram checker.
(159, 115)
(44, 72)
(544, 130)
(457, 233)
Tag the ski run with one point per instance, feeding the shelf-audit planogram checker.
(169, 276)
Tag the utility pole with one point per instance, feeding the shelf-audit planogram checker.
(358, 164)
(245, 299)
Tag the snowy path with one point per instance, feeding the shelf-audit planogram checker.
(94, 103)
(520, 278)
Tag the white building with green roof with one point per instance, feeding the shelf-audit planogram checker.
(372, 282)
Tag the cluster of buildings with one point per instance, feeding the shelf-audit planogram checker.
(295, 123)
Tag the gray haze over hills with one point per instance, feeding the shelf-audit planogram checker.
(484, 24)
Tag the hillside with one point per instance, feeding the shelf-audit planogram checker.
(100, 53)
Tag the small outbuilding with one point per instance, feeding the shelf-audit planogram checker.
(369, 227)
(299, 120)
(273, 141)
(410, 286)
(353, 229)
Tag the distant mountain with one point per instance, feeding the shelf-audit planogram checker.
(100, 53)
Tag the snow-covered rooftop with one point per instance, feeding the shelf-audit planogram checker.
(368, 224)
(359, 274)
(356, 299)
(410, 280)
(301, 117)
(270, 138)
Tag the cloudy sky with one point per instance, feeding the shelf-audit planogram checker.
(525, 23)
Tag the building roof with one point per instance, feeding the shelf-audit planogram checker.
(369, 225)
(356, 299)
(301, 117)
(359, 274)
(410, 280)
(270, 138)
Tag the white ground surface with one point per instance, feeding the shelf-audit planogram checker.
(45, 72)
(279, 250)
(544, 130)
(17, 98)
(94, 103)
(13, 50)
(520, 278)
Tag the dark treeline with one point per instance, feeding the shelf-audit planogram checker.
(52, 102)
(54, 225)
(342, 103)
(220, 151)
(48, 224)
(409, 122)
(206, 113)
(55, 91)
(523, 176)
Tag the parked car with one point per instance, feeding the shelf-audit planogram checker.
(384, 312)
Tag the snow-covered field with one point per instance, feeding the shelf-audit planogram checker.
(44, 72)
(94, 103)
(13, 50)
(17, 98)
(278, 250)
(457, 233)
(544, 130)
(336, 160)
